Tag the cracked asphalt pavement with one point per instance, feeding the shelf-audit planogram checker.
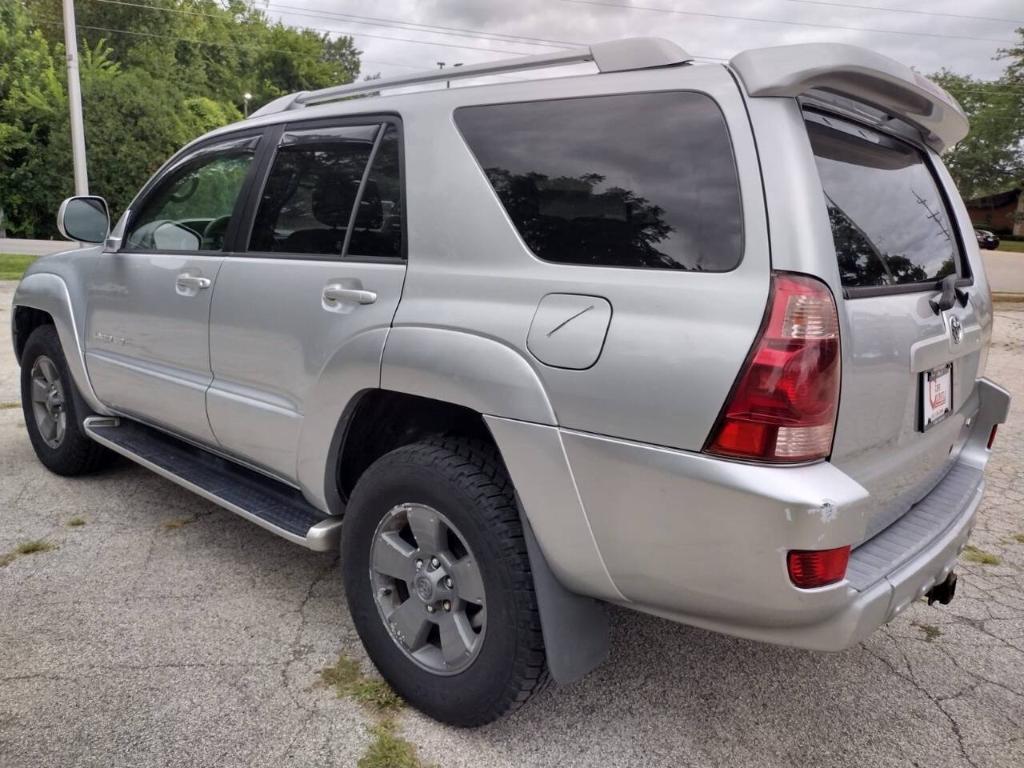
(168, 632)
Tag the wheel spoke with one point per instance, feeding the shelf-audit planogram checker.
(457, 637)
(49, 370)
(60, 426)
(428, 530)
(394, 557)
(469, 585)
(40, 390)
(48, 426)
(409, 622)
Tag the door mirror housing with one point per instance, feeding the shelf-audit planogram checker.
(85, 219)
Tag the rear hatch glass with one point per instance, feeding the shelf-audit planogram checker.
(907, 384)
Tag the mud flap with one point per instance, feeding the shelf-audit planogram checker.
(576, 628)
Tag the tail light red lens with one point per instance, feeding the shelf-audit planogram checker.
(783, 405)
(817, 568)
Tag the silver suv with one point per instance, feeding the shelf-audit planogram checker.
(705, 341)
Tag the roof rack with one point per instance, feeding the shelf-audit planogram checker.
(614, 56)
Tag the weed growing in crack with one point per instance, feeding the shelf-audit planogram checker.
(974, 555)
(389, 750)
(1019, 538)
(9, 406)
(76, 522)
(348, 680)
(178, 522)
(26, 548)
(931, 632)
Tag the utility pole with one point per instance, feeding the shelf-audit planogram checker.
(75, 100)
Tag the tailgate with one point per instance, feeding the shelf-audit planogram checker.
(909, 369)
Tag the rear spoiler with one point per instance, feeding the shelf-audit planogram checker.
(816, 70)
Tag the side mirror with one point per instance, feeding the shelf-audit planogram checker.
(85, 219)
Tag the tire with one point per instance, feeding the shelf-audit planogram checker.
(74, 453)
(466, 482)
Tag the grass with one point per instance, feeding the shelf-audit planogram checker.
(931, 632)
(1019, 538)
(9, 406)
(348, 680)
(178, 522)
(13, 265)
(76, 522)
(1015, 246)
(389, 750)
(25, 548)
(974, 555)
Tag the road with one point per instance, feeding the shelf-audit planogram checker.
(167, 632)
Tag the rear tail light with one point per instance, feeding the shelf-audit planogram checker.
(784, 402)
(817, 568)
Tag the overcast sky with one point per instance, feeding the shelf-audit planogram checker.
(991, 22)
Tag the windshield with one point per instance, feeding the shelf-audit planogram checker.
(889, 220)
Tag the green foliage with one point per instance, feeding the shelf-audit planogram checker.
(389, 750)
(181, 72)
(348, 680)
(991, 158)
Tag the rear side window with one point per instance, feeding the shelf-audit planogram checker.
(636, 180)
(889, 219)
(308, 199)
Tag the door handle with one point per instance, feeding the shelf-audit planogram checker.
(187, 281)
(336, 293)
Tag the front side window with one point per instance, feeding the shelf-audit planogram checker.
(312, 188)
(635, 180)
(191, 208)
(889, 219)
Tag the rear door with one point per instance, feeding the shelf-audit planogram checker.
(909, 368)
(320, 273)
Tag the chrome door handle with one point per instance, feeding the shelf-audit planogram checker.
(335, 293)
(191, 281)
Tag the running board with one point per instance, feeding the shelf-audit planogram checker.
(268, 503)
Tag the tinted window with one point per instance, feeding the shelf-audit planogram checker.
(191, 207)
(312, 187)
(378, 226)
(889, 219)
(639, 180)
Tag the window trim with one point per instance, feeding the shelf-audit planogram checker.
(273, 143)
(963, 264)
(550, 262)
(176, 161)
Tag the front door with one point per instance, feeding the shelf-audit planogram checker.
(147, 323)
(321, 274)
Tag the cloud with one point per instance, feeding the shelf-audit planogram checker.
(412, 48)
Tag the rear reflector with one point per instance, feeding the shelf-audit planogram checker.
(783, 405)
(817, 568)
(992, 437)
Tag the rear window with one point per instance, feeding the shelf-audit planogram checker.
(636, 180)
(889, 219)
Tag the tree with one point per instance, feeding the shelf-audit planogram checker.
(154, 76)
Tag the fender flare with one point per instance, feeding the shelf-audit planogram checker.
(49, 293)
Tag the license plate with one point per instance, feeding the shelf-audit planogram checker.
(936, 395)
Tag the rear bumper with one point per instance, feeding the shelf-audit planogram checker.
(704, 541)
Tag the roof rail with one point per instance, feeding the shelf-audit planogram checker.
(614, 56)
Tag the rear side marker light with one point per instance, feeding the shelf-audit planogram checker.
(783, 405)
(817, 568)
(992, 437)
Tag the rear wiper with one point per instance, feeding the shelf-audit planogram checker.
(949, 295)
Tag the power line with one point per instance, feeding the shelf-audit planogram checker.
(337, 31)
(904, 10)
(602, 3)
(415, 26)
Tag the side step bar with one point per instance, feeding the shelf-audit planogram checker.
(268, 503)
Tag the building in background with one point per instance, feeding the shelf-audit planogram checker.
(1002, 213)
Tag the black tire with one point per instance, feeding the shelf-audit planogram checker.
(466, 481)
(77, 454)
